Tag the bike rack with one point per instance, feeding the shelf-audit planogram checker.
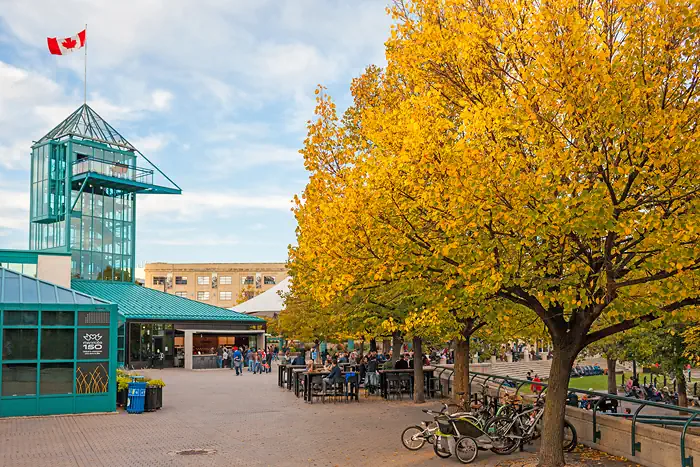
(636, 445)
(596, 432)
(672, 420)
(686, 461)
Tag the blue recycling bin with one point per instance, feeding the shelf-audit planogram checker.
(136, 397)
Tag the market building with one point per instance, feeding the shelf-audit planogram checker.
(220, 284)
(70, 311)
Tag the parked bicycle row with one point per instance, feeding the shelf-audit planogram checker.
(465, 429)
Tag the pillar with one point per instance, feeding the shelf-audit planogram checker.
(188, 349)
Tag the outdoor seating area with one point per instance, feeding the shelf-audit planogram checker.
(388, 384)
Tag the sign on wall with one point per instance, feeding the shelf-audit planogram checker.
(93, 344)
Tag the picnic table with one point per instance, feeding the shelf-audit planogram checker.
(427, 374)
(281, 369)
(289, 373)
(320, 374)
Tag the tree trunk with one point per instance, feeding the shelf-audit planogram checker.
(551, 452)
(418, 377)
(681, 389)
(373, 345)
(386, 345)
(612, 381)
(397, 342)
(461, 373)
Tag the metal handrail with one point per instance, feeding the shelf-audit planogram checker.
(94, 164)
(636, 445)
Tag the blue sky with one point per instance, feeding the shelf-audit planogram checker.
(216, 93)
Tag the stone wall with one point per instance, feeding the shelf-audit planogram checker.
(659, 447)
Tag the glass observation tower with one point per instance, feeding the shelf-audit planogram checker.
(84, 180)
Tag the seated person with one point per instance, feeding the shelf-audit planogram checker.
(401, 364)
(335, 376)
(299, 360)
(309, 365)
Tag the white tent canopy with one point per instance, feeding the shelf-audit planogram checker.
(267, 303)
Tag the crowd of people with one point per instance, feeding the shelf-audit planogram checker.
(257, 361)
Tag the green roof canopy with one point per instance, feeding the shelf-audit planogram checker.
(137, 302)
(20, 289)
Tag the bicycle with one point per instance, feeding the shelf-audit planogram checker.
(414, 437)
(523, 428)
(481, 413)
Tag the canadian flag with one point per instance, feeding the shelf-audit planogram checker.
(67, 45)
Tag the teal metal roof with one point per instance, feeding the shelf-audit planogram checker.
(20, 289)
(137, 302)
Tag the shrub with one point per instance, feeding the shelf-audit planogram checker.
(156, 383)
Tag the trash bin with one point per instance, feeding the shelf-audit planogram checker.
(136, 398)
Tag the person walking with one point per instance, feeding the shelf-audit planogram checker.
(237, 361)
(219, 356)
(268, 360)
(249, 357)
(224, 358)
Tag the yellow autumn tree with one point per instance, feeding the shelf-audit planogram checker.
(574, 156)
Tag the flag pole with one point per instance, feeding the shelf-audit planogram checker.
(85, 72)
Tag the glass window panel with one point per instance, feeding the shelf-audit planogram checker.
(18, 379)
(18, 318)
(11, 289)
(96, 234)
(56, 378)
(48, 292)
(15, 267)
(30, 292)
(134, 341)
(57, 344)
(64, 296)
(58, 318)
(19, 344)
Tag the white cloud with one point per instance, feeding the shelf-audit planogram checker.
(161, 99)
(151, 143)
(195, 205)
(14, 210)
(257, 226)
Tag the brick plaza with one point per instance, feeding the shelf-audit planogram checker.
(245, 420)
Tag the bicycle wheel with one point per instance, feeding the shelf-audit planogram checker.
(441, 447)
(466, 449)
(570, 437)
(412, 438)
(498, 429)
(507, 411)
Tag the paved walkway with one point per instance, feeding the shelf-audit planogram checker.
(244, 420)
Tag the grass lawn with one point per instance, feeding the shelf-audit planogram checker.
(597, 383)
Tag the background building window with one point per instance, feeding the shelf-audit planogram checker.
(248, 294)
(181, 294)
(158, 280)
(248, 280)
(270, 280)
(225, 280)
(181, 280)
(224, 295)
(203, 280)
(202, 295)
